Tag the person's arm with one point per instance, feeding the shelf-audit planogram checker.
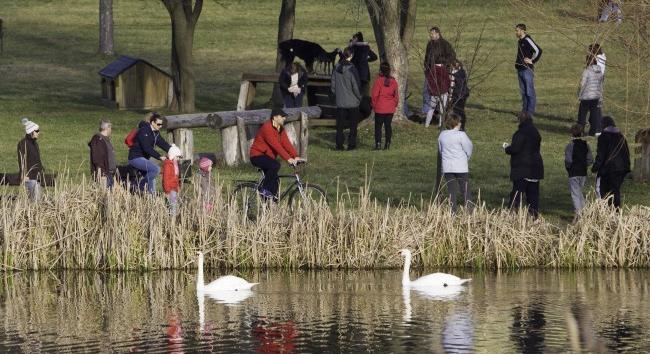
(451, 53)
(427, 58)
(601, 154)
(467, 145)
(162, 143)
(22, 159)
(271, 138)
(333, 82)
(534, 51)
(371, 56)
(374, 93)
(396, 96)
(517, 144)
(287, 145)
(356, 83)
(147, 143)
(583, 82)
(568, 155)
(303, 79)
(284, 80)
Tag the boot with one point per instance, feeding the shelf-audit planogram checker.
(378, 146)
(387, 145)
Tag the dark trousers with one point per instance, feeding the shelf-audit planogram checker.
(591, 107)
(610, 184)
(351, 115)
(384, 119)
(531, 190)
(457, 183)
(271, 169)
(458, 107)
(291, 101)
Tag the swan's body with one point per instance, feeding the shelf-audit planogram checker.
(435, 280)
(225, 283)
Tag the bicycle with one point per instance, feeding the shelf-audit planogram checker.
(249, 196)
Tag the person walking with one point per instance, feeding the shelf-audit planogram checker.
(438, 51)
(612, 162)
(455, 149)
(528, 53)
(526, 164)
(577, 157)
(146, 139)
(102, 155)
(590, 94)
(30, 167)
(459, 91)
(361, 56)
(293, 83)
(345, 87)
(385, 97)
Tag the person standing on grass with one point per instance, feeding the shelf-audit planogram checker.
(102, 155)
(385, 97)
(361, 56)
(293, 83)
(171, 178)
(612, 161)
(528, 53)
(459, 91)
(438, 51)
(147, 138)
(456, 149)
(30, 167)
(272, 140)
(526, 164)
(345, 86)
(590, 94)
(577, 157)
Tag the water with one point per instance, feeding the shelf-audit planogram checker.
(312, 312)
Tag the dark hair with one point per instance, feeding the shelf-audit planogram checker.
(456, 63)
(154, 116)
(577, 130)
(347, 53)
(591, 60)
(595, 49)
(384, 70)
(358, 36)
(521, 26)
(435, 29)
(608, 122)
(452, 120)
(524, 116)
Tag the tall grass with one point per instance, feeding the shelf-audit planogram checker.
(83, 226)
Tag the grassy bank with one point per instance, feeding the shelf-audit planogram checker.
(80, 226)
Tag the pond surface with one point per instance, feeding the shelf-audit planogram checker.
(311, 312)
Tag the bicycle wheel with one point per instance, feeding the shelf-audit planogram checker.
(311, 195)
(247, 199)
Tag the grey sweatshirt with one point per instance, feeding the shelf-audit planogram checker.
(345, 85)
(591, 85)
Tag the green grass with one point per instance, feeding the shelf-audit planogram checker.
(48, 72)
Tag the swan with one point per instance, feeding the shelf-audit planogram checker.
(430, 280)
(225, 283)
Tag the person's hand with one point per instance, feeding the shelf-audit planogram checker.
(505, 145)
(292, 161)
(528, 61)
(163, 158)
(25, 179)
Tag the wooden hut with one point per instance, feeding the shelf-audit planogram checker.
(132, 83)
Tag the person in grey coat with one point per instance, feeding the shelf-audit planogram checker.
(590, 93)
(455, 149)
(577, 157)
(345, 86)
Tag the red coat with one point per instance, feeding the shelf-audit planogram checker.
(438, 80)
(271, 142)
(384, 98)
(170, 179)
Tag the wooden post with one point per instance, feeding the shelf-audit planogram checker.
(243, 140)
(246, 95)
(184, 139)
(304, 134)
(292, 134)
(230, 145)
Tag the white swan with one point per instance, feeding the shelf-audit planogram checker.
(430, 280)
(225, 283)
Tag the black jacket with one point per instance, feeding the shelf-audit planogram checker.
(525, 157)
(612, 153)
(285, 81)
(438, 52)
(29, 159)
(527, 48)
(362, 55)
(577, 157)
(102, 155)
(460, 90)
(145, 141)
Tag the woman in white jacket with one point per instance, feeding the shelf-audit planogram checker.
(590, 94)
(455, 149)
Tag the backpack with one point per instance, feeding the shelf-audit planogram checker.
(130, 138)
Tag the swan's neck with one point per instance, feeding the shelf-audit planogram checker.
(407, 267)
(199, 277)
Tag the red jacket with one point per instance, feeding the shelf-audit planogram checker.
(438, 80)
(384, 98)
(170, 179)
(271, 142)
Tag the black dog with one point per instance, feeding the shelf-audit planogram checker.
(309, 52)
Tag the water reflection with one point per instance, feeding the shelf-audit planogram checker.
(528, 311)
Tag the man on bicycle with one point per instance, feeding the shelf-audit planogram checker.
(272, 140)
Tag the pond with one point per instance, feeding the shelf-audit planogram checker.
(530, 311)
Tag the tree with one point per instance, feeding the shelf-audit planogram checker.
(184, 15)
(393, 22)
(286, 23)
(106, 27)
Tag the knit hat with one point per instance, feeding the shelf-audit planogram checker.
(30, 126)
(205, 163)
(173, 152)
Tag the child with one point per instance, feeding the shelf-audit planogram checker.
(459, 91)
(170, 178)
(577, 157)
(205, 183)
(438, 83)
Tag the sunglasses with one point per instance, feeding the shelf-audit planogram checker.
(37, 131)
(159, 124)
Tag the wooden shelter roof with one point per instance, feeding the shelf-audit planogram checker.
(122, 64)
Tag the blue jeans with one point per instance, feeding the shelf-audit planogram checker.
(150, 170)
(527, 89)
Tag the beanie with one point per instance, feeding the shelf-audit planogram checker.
(204, 164)
(173, 152)
(30, 126)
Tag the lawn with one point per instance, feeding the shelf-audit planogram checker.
(48, 72)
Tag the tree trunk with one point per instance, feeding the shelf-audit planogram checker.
(183, 19)
(106, 27)
(286, 23)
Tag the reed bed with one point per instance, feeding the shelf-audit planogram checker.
(84, 227)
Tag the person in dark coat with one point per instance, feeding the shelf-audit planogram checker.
(147, 138)
(459, 91)
(102, 155)
(612, 161)
(293, 84)
(361, 56)
(526, 164)
(30, 167)
(577, 157)
(439, 51)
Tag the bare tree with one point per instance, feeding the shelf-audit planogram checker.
(393, 22)
(184, 15)
(106, 27)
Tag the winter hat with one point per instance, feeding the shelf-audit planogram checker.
(173, 152)
(204, 164)
(30, 126)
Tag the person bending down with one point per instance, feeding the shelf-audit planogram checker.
(272, 140)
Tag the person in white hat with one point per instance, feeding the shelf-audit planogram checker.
(29, 160)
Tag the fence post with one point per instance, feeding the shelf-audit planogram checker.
(304, 134)
(184, 139)
(230, 145)
(243, 140)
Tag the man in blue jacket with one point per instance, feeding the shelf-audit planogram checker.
(147, 138)
(528, 53)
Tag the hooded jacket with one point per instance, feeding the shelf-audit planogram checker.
(525, 157)
(345, 85)
(612, 153)
(29, 159)
(591, 85)
(145, 141)
(102, 155)
(527, 48)
(438, 52)
(384, 97)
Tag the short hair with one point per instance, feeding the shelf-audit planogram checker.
(358, 36)
(153, 116)
(434, 29)
(577, 130)
(524, 116)
(608, 122)
(452, 120)
(591, 60)
(521, 26)
(104, 124)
